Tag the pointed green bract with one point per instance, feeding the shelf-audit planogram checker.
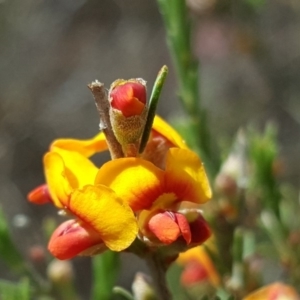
(157, 88)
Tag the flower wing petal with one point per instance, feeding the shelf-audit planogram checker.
(106, 213)
(136, 181)
(85, 147)
(185, 176)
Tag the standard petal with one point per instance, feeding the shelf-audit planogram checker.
(71, 238)
(136, 181)
(85, 147)
(107, 214)
(168, 132)
(186, 177)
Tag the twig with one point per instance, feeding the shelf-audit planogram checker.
(100, 96)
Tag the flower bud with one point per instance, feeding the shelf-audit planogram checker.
(60, 271)
(142, 288)
(40, 195)
(129, 97)
(128, 112)
(73, 238)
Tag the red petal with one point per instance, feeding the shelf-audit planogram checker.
(40, 195)
(129, 98)
(184, 227)
(164, 227)
(71, 238)
(200, 230)
(193, 273)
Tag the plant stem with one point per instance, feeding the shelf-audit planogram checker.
(158, 270)
(177, 25)
(100, 96)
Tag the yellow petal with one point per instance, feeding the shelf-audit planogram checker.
(56, 178)
(168, 132)
(186, 177)
(66, 171)
(107, 214)
(85, 147)
(80, 170)
(136, 181)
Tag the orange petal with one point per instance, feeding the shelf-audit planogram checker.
(164, 227)
(184, 226)
(40, 195)
(186, 177)
(168, 132)
(107, 214)
(71, 238)
(136, 181)
(85, 147)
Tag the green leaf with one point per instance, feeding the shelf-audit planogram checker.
(156, 91)
(105, 271)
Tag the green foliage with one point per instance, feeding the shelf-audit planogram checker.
(15, 291)
(263, 154)
(8, 251)
(105, 272)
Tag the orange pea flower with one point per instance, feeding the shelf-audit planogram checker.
(151, 191)
(103, 201)
(274, 291)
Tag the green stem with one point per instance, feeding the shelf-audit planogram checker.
(177, 25)
(158, 268)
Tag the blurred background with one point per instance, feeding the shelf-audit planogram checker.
(50, 50)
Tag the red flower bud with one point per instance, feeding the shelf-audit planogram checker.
(129, 97)
(40, 195)
(72, 238)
